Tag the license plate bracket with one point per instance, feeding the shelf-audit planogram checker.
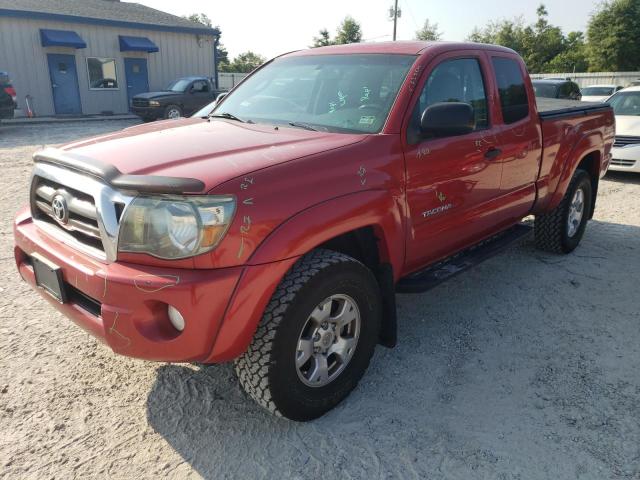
(49, 277)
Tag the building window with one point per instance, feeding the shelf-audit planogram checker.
(102, 73)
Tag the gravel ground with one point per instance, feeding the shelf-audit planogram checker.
(527, 367)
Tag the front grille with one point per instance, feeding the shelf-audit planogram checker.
(623, 163)
(82, 219)
(626, 140)
(140, 102)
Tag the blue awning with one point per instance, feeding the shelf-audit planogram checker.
(61, 38)
(137, 44)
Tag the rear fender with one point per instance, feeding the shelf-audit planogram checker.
(590, 143)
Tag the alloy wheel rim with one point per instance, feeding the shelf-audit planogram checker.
(576, 211)
(173, 113)
(328, 340)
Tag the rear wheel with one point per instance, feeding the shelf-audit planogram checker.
(561, 230)
(172, 111)
(315, 339)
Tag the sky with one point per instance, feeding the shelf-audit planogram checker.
(278, 26)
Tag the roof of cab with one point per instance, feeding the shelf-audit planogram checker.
(408, 47)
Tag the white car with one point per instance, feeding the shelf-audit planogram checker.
(598, 93)
(626, 148)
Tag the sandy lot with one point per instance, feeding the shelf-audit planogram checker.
(527, 367)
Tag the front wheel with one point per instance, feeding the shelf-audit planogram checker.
(561, 230)
(315, 339)
(172, 112)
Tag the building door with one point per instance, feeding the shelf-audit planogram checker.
(64, 83)
(135, 69)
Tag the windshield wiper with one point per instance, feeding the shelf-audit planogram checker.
(306, 126)
(228, 116)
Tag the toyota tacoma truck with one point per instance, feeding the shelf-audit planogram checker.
(275, 230)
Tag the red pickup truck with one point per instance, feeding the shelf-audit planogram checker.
(275, 228)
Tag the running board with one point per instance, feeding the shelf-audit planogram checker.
(436, 274)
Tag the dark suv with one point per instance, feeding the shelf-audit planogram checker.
(7, 96)
(557, 88)
(182, 97)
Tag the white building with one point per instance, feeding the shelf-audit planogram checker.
(75, 57)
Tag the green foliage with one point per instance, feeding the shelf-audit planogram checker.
(245, 63)
(323, 39)
(349, 31)
(222, 55)
(544, 48)
(614, 37)
(202, 18)
(429, 32)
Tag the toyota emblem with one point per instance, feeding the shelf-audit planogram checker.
(59, 209)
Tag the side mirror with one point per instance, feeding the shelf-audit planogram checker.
(447, 119)
(221, 96)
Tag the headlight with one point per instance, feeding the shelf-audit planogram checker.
(154, 103)
(174, 227)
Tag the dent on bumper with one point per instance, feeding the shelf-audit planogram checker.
(133, 299)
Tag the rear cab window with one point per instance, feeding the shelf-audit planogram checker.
(514, 102)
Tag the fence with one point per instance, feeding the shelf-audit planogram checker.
(228, 80)
(598, 78)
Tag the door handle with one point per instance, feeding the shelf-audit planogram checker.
(492, 153)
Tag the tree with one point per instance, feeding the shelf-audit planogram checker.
(322, 40)
(613, 36)
(199, 18)
(508, 33)
(246, 62)
(429, 32)
(348, 32)
(222, 56)
(544, 48)
(542, 42)
(573, 58)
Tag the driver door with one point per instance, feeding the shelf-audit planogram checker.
(453, 183)
(198, 95)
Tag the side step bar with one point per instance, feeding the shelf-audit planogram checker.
(450, 267)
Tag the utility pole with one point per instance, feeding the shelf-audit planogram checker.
(394, 14)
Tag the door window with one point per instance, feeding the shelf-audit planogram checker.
(513, 94)
(200, 86)
(458, 80)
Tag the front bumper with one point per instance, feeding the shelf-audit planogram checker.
(125, 305)
(625, 159)
(148, 112)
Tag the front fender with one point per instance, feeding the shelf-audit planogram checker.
(287, 243)
(322, 222)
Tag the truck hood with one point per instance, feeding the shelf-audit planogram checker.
(152, 95)
(628, 125)
(212, 151)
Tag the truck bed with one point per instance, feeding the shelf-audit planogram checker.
(552, 108)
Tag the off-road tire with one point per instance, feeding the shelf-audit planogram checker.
(171, 107)
(550, 229)
(267, 370)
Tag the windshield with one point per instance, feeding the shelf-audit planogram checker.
(179, 85)
(335, 93)
(546, 90)
(597, 91)
(625, 103)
